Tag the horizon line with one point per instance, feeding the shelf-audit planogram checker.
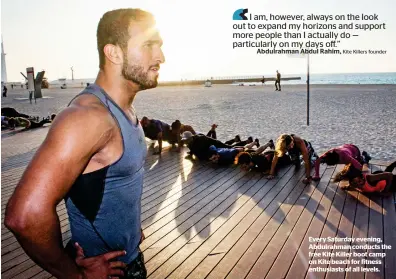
(231, 76)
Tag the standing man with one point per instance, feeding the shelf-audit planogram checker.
(278, 79)
(5, 90)
(30, 96)
(96, 168)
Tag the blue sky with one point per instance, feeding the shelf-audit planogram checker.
(55, 35)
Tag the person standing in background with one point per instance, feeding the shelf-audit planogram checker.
(277, 81)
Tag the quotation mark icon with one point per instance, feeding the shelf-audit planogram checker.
(240, 14)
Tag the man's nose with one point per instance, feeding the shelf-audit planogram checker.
(160, 57)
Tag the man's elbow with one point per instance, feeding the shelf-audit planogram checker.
(14, 223)
(17, 221)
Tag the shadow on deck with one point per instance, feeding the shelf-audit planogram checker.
(202, 221)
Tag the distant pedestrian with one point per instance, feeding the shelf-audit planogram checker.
(30, 96)
(277, 81)
(5, 91)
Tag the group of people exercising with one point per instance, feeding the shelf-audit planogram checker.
(268, 158)
(11, 119)
(94, 154)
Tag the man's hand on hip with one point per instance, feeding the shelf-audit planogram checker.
(100, 267)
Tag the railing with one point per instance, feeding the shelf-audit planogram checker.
(224, 80)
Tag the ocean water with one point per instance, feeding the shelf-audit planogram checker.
(359, 78)
(347, 78)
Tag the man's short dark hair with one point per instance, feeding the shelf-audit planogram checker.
(113, 28)
(11, 122)
(176, 125)
(244, 158)
(331, 158)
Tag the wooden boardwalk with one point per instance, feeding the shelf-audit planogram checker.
(206, 222)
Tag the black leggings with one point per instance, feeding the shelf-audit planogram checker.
(295, 153)
(229, 142)
(390, 169)
(34, 125)
(11, 112)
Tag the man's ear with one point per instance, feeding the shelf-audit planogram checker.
(114, 54)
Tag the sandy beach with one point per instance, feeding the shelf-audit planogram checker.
(359, 114)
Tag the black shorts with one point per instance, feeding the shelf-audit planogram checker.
(136, 269)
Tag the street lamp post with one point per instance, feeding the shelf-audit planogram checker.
(307, 89)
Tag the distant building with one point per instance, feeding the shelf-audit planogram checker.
(68, 83)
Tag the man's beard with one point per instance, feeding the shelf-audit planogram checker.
(136, 74)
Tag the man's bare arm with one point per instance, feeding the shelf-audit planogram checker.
(159, 137)
(273, 166)
(31, 211)
(304, 152)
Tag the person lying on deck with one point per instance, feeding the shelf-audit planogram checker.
(199, 144)
(383, 182)
(227, 156)
(344, 154)
(294, 146)
(11, 112)
(238, 142)
(14, 122)
(261, 162)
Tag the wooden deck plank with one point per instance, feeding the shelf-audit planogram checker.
(177, 240)
(210, 203)
(236, 235)
(22, 267)
(389, 220)
(30, 272)
(270, 222)
(195, 192)
(376, 231)
(345, 229)
(182, 185)
(195, 212)
(289, 250)
(209, 243)
(255, 206)
(329, 231)
(172, 215)
(202, 221)
(360, 230)
(300, 264)
(42, 275)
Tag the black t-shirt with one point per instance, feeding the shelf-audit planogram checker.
(200, 146)
(154, 127)
(262, 162)
(151, 131)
